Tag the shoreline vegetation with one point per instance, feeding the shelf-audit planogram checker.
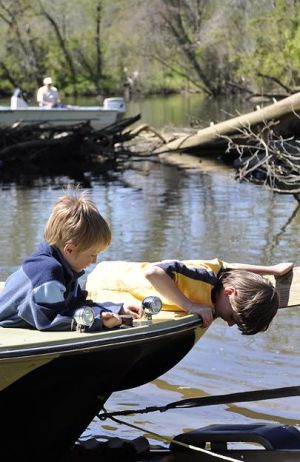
(261, 146)
(219, 49)
(233, 47)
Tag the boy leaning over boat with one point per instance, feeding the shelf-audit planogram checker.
(44, 293)
(237, 293)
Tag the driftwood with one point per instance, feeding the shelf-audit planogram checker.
(255, 144)
(283, 111)
(268, 159)
(23, 144)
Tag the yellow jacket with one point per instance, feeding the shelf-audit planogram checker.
(196, 279)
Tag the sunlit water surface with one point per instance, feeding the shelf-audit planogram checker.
(158, 212)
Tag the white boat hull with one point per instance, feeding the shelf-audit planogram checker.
(98, 117)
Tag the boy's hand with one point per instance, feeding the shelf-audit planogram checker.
(110, 319)
(133, 310)
(282, 268)
(205, 312)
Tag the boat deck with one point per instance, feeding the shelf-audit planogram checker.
(288, 287)
(27, 338)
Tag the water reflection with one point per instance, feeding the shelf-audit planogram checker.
(186, 110)
(194, 216)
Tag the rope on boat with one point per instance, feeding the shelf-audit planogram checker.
(245, 396)
(171, 440)
(256, 395)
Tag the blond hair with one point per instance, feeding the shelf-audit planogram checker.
(76, 220)
(256, 300)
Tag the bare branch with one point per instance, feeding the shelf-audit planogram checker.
(274, 79)
(266, 158)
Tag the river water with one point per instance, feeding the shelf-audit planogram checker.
(158, 212)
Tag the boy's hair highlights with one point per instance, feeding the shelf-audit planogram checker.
(256, 300)
(76, 220)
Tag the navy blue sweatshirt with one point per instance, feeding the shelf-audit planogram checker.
(44, 293)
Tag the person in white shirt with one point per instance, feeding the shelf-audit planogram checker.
(47, 95)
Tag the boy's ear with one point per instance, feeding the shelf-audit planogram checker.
(229, 290)
(69, 248)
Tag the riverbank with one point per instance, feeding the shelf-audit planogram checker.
(144, 145)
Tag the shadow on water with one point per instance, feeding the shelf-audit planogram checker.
(49, 171)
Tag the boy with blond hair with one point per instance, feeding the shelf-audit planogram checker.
(44, 293)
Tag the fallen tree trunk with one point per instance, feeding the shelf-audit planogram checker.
(284, 111)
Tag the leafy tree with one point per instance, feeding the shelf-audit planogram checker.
(273, 32)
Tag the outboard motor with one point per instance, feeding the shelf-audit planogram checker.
(17, 100)
(114, 104)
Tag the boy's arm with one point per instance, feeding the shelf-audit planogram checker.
(165, 285)
(46, 309)
(276, 270)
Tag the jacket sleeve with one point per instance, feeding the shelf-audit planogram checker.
(104, 306)
(174, 267)
(47, 310)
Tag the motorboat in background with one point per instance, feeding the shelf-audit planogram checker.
(99, 117)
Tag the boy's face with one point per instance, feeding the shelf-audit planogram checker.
(80, 259)
(223, 308)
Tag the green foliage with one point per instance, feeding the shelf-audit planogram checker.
(275, 46)
(83, 85)
(85, 45)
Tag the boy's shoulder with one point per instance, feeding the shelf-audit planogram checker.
(43, 267)
(214, 265)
